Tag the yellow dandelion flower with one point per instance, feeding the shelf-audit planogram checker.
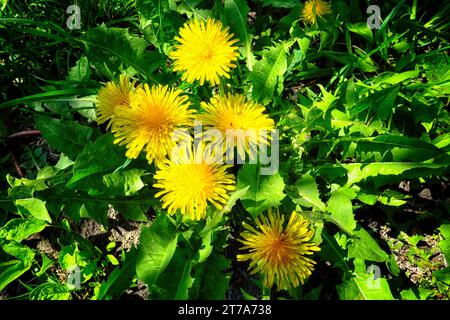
(279, 253)
(156, 121)
(313, 9)
(242, 122)
(190, 180)
(205, 51)
(114, 95)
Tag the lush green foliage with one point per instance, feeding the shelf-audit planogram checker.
(364, 151)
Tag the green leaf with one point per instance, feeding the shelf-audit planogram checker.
(50, 291)
(174, 283)
(156, 248)
(363, 246)
(393, 198)
(71, 256)
(362, 285)
(236, 12)
(341, 209)
(393, 78)
(126, 182)
(34, 207)
(247, 296)
(65, 136)
(445, 230)
(366, 198)
(112, 50)
(84, 106)
(58, 106)
(134, 211)
(267, 75)
(442, 275)
(12, 272)
(358, 172)
(80, 72)
(445, 244)
(206, 246)
(120, 278)
(392, 265)
(383, 101)
(48, 96)
(95, 207)
(263, 191)
(111, 259)
(334, 251)
(64, 162)
(90, 208)
(19, 251)
(46, 263)
(234, 197)
(365, 63)
(20, 229)
(148, 7)
(98, 159)
(191, 12)
(214, 278)
(362, 29)
(409, 294)
(307, 189)
(400, 148)
(282, 3)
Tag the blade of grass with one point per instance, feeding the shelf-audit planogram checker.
(46, 96)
